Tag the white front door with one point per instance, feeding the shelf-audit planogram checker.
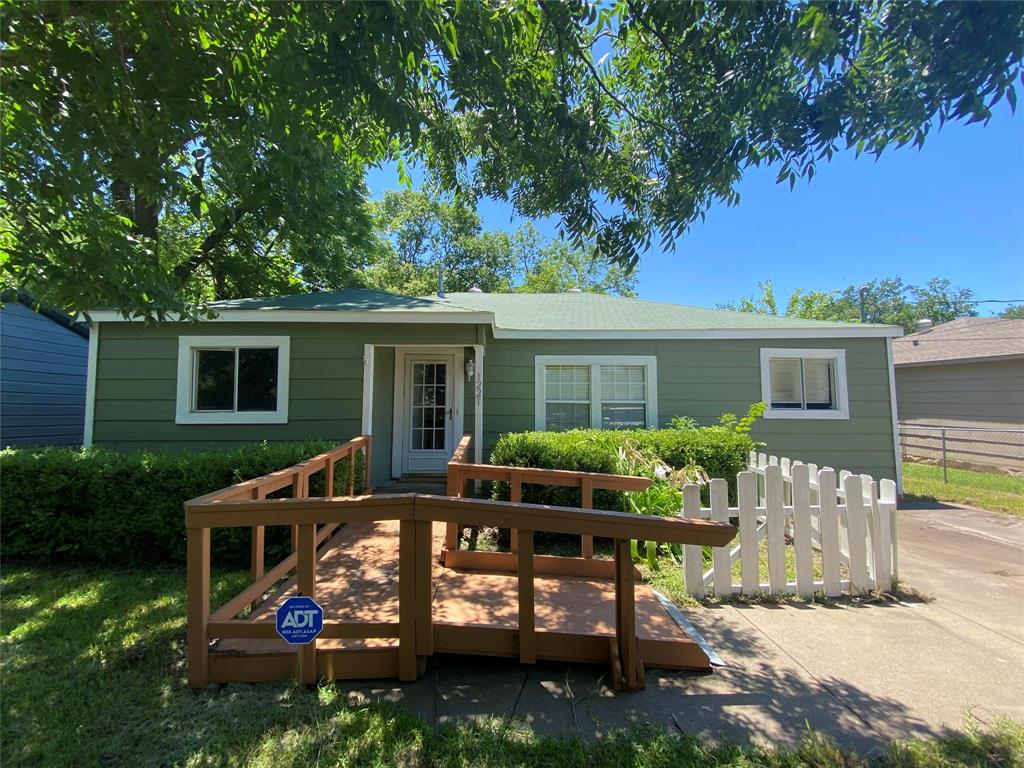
(431, 412)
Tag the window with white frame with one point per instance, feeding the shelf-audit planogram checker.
(232, 380)
(804, 383)
(603, 392)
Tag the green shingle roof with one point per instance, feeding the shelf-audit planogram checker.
(548, 313)
(349, 299)
(599, 312)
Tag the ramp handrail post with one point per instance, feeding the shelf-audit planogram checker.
(198, 604)
(424, 588)
(367, 473)
(586, 502)
(305, 572)
(515, 495)
(625, 616)
(407, 608)
(258, 549)
(527, 620)
(456, 487)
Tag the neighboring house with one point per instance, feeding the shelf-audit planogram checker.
(43, 358)
(966, 373)
(418, 372)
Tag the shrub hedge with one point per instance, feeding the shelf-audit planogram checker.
(721, 452)
(98, 505)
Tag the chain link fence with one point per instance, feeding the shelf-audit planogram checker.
(953, 446)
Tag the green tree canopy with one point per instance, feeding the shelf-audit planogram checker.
(143, 141)
(419, 235)
(1013, 312)
(888, 300)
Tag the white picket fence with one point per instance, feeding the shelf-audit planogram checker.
(795, 505)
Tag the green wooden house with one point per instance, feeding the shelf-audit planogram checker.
(418, 372)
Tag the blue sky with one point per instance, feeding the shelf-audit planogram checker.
(953, 209)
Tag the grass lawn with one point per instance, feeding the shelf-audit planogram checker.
(93, 673)
(986, 490)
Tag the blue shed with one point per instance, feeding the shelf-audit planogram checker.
(43, 371)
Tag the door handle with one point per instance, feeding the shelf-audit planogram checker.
(449, 414)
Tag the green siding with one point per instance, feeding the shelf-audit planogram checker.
(136, 377)
(137, 370)
(704, 378)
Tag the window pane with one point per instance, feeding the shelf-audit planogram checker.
(215, 380)
(257, 379)
(623, 383)
(784, 373)
(623, 396)
(567, 383)
(561, 416)
(818, 389)
(623, 416)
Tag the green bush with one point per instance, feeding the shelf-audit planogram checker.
(98, 505)
(720, 451)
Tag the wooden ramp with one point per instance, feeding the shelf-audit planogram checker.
(395, 589)
(473, 612)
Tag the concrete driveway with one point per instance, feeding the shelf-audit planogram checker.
(863, 672)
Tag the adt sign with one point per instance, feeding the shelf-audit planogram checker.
(299, 620)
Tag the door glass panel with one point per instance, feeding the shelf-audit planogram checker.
(429, 399)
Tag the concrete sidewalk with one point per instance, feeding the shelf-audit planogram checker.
(865, 673)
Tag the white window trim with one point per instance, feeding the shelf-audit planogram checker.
(842, 409)
(540, 399)
(186, 379)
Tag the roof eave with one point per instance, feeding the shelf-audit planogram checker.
(961, 360)
(706, 333)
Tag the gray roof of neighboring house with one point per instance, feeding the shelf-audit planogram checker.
(545, 312)
(967, 339)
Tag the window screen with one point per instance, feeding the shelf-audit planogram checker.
(802, 383)
(623, 396)
(818, 378)
(566, 397)
(786, 382)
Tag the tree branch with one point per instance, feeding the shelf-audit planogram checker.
(210, 243)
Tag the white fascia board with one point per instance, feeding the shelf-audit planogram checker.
(780, 333)
(314, 316)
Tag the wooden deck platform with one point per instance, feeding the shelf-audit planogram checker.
(473, 612)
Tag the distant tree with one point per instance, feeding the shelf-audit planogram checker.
(558, 267)
(1013, 312)
(420, 235)
(889, 301)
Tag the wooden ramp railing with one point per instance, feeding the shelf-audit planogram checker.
(461, 472)
(313, 520)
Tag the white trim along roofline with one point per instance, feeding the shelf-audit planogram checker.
(487, 318)
(709, 333)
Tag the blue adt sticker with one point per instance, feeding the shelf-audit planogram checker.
(299, 620)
